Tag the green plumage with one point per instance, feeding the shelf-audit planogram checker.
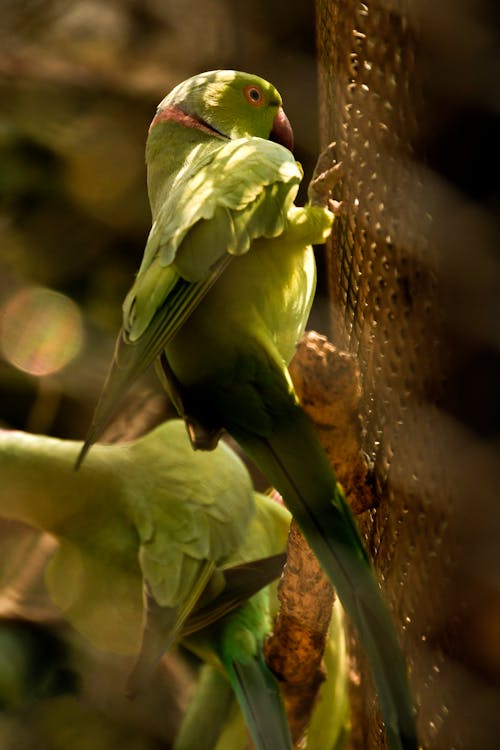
(221, 298)
(235, 642)
(213, 722)
(156, 544)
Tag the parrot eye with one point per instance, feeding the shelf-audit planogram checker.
(253, 95)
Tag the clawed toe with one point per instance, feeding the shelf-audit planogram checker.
(324, 179)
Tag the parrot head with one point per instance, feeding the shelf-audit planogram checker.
(230, 104)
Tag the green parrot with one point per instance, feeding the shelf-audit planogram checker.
(213, 720)
(221, 298)
(184, 529)
(228, 642)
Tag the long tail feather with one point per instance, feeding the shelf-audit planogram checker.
(260, 701)
(241, 582)
(125, 367)
(207, 713)
(132, 358)
(293, 460)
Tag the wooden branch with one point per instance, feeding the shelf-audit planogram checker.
(294, 651)
(327, 383)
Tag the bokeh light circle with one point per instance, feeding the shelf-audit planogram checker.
(41, 330)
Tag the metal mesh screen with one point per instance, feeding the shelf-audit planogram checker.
(397, 266)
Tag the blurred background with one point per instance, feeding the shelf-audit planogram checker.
(410, 90)
(79, 83)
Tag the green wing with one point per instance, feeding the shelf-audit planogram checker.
(240, 582)
(191, 509)
(215, 208)
(235, 641)
(191, 516)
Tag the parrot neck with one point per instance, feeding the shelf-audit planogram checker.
(171, 147)
(177, 115)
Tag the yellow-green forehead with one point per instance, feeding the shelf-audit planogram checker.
(214, 86)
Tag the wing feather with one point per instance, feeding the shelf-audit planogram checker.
(214, 210)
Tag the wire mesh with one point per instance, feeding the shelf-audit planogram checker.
(389, 269)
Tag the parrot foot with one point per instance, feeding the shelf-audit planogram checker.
(325, 160)
(324, 179)
(202, 438)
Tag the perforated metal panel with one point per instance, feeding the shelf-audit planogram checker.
(389, 267)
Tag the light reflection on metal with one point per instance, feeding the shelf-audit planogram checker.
(41, 330)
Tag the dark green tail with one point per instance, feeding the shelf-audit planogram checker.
(294, 461)
(258, 694)
(208, 712)
(213, 709)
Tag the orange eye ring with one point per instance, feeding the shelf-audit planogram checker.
(254, 95)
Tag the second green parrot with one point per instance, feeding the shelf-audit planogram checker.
(152, 518)
(213, 712)
(221, 298)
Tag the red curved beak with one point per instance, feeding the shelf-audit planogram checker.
(282, 130)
